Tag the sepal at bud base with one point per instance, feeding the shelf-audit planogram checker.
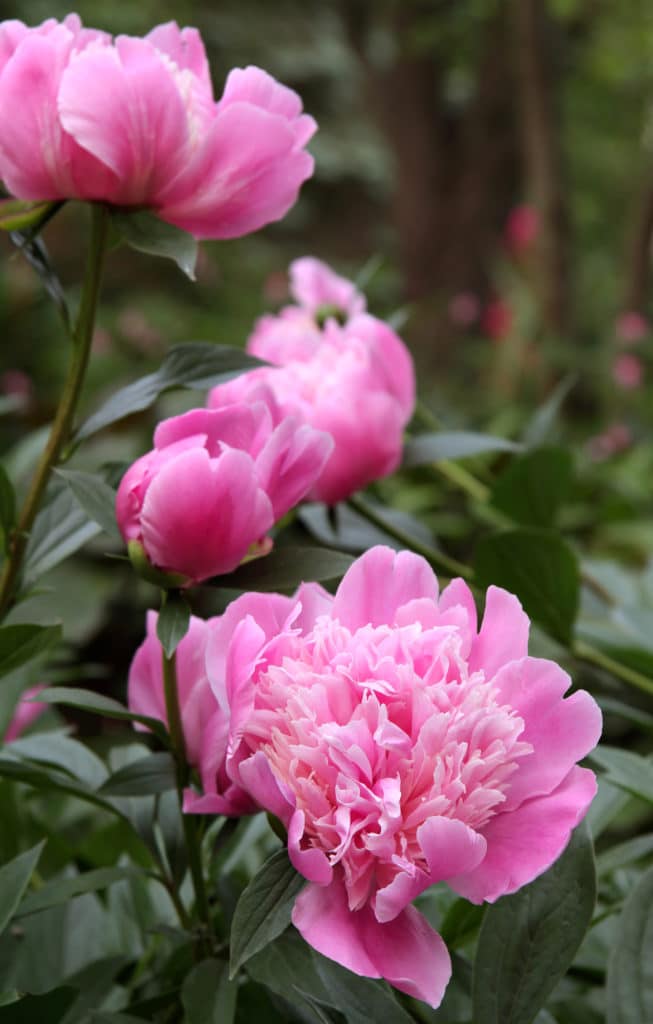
(149, 572)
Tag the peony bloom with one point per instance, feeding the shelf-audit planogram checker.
(214, 484)
(400, 746)
(204, 724)
(133, 122)
(497, 319)
(631, 327)
(350, 375)
(522, 228)
(26, 712)
(628, 372)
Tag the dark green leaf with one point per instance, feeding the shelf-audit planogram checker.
(22, 642)
(622, 854)
(540, 568)
(64, 752)
(61, 528)
(98, 704)
(630, 968)
(457, 444)
(461, 922)
(544, 418)
(45, 778)
(172, 622)
(14, 879)
(207, 995)
(285, 568)
(361, 1000)
(96, 498)
(534, 485)
(104, 1017)
(33, 249)
(343, 528)
(626, 770)
(147, 233)
(64, 889)
(263, 911)
(643, 719)
(606, 806)
(528, 940)
(198, 365)
(7, 505)
(50, 1007)
(152, 774)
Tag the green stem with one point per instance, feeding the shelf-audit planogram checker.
(590, 654)
(63, 422)
(455, 474)
(188, 821)
(436, 559)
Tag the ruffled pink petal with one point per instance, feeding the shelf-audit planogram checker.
(200, 515)
(314, 601)
(561, 731)
(379, 583)
(390, 358)
(523, 843)
(406, 951)
(122, 105)
(258, 780)
(503, 636)
(12, 32)
(247, 174)
(291, 462)
(247, 427)
(314, 284)
(185, 47)
(134, 484)
(457, 594)
(312, 863)
(252, 85)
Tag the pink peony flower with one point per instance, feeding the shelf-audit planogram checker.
(628, 372)
(133, 122)
(497, 319)
(631, 327)
(353, 379)
(464, 309)
(617, 438)
(400, 746)
(204, 724)
(26, 712)
(214, 484)
(522, 228)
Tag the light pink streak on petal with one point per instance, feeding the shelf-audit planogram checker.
(406, 951)
(200, 516)
(310, 862)
(561, 731)
(522, 844)
(122, 105)
(247, 174)
(291, 462)
(379, 583)
(503, 636)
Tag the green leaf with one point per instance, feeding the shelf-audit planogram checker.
(147, 233)
(533, 487)
(198, 365)
(622, 854)
(22, 642)
(285, 568)
(19, 214)
(540, 568)
(529, 939)
(34, 250)
(14, 879)
(46, 778)
(98, 704)
(51, 1007)
(152, 774)
(630, 967)
(7, 506)
(64, 889)
(626, 770)
(61, 528)
(207, 995)
(263, 910)
(172, 622)
(360, 999)
(95, 496)
(540, 426)
(461, 922)
(64, 752)
(457, 444)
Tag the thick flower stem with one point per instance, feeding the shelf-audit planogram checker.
(63, 422)
(436, 559)
(189, 823)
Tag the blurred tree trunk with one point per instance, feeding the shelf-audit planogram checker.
(638, 263)
(537, 79)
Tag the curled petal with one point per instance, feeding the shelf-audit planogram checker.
(379, 583)
(503, 636)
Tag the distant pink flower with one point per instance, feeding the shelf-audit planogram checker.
(214, 484)
(204, 723)
(497, 319)
(353, 379)
(628, 372)
(26, 712)
(631, 327)
(17, 385)
(133, 122)
(400, 746)
(464, 309)
(522, 227)
(617, 438)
